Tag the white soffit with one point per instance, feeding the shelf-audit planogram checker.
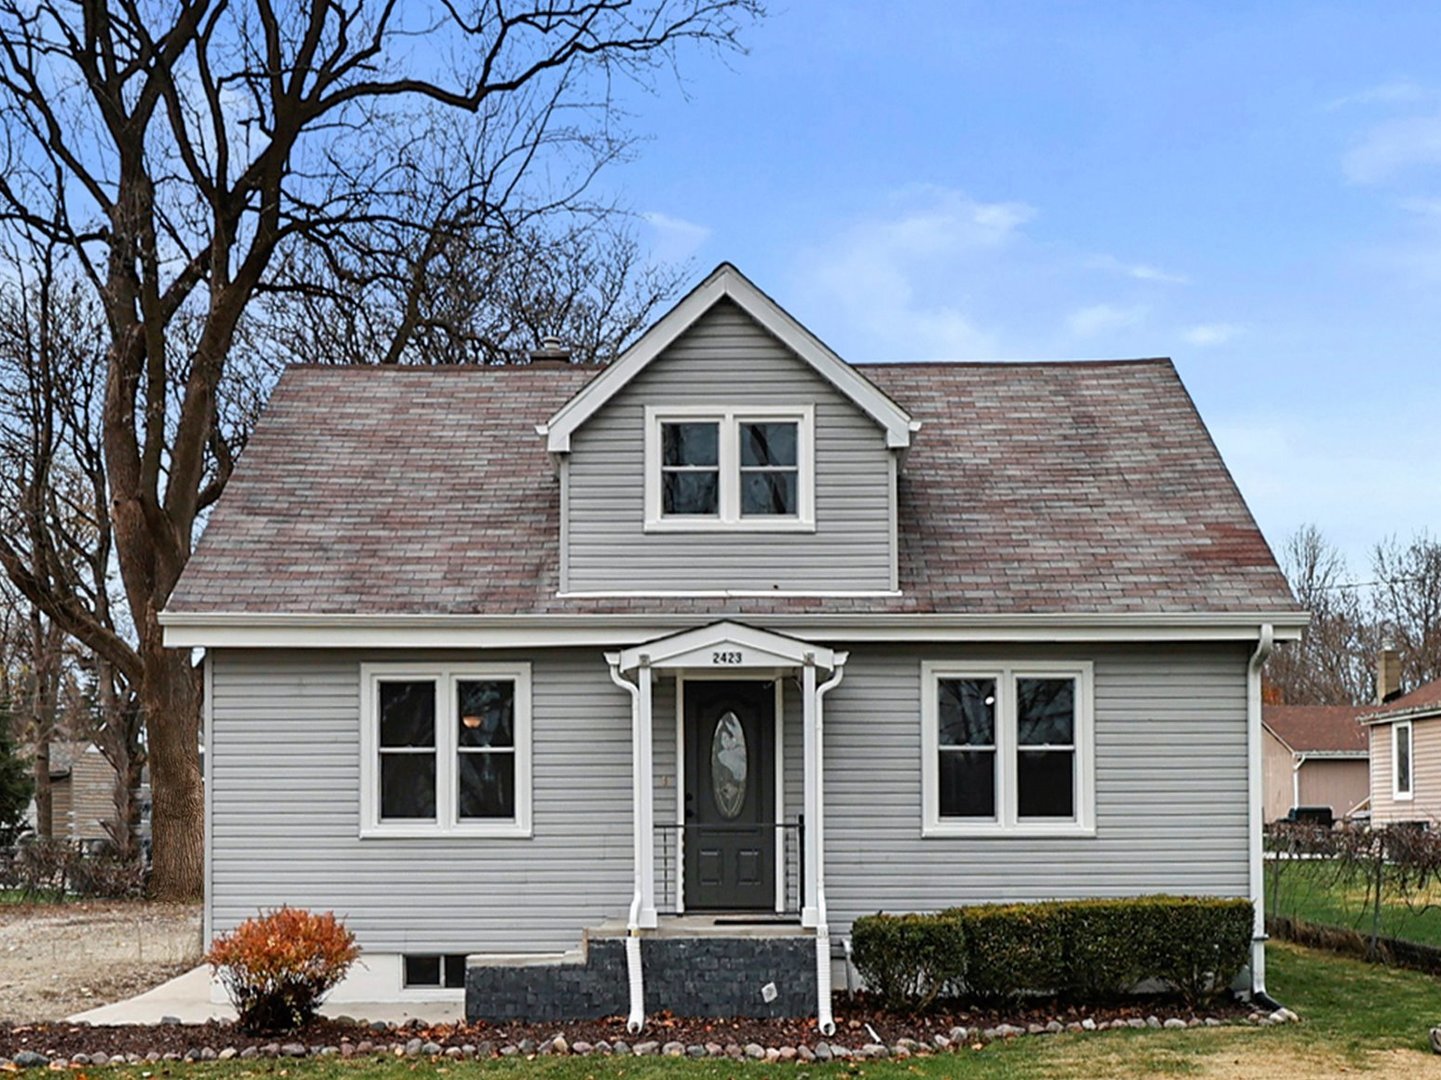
(726, 282)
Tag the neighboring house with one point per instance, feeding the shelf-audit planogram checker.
(82, 793)
(1406, 757)
(1315, 755)
(506, 664)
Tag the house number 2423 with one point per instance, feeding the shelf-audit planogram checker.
(725, 658)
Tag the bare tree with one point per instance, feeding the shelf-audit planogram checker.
(1407, 600)
(1333, 663)
(483, 298)
(187, 155)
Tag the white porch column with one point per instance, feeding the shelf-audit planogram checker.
(810, 911)
(645, 794)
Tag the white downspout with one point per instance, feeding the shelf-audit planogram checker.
(825, 1022)
(636, 1020)
(1299, 760)
(1264, 644)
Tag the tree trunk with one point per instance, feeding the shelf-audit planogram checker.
(42, 719)
(44, 796)
(170, 702)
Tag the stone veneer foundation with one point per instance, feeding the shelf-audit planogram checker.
(686, 976)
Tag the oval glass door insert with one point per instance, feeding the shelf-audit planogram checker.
(728, 765)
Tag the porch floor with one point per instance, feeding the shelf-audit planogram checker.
(758, 924)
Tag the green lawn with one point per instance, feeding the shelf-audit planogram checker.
(1312, 890)
(1357, 1018)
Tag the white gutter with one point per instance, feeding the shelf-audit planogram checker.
(825, 1022)
(303, 630)
(1265, 642)
(636, 1020)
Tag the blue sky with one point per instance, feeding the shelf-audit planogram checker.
(1252, 189)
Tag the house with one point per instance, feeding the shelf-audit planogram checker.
(1314, 756)
(1406, 757)
(606, 691)
(82, 792)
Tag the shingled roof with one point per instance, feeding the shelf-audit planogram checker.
(1030, 488)
(1423, 701)
(1318, 728)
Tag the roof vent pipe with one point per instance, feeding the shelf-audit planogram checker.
(553, 352)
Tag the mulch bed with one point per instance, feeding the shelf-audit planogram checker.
(858, 1023)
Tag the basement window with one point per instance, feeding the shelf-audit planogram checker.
(429, 971)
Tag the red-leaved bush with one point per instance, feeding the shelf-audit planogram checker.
(278, 967)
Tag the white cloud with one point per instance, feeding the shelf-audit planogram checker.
(1396, 92)
(1138, 271)
(1089, 322)
(1204, 334)
(890, 279)
(1394, 147)
(674, 239)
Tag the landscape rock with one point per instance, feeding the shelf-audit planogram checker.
(755, 1051)
(1087, 1024)
(1173, 1023)
(645, 1049)
(673, 1049)
(29, 1059)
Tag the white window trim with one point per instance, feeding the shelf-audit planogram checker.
(446, 824)
(1396, 793)
(730, 418)
(1007, 822)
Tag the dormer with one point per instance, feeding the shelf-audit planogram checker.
(728, 451)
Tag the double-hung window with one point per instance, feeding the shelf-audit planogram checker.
(445, 749)
(1401, 766)
(729, 468)
(1007, 749)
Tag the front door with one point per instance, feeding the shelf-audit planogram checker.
(729, 796)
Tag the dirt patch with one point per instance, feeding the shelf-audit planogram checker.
(56, 960)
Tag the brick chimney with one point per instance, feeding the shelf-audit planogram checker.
(552, 353)
(1388, 674)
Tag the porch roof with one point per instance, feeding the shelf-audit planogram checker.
(726, 646)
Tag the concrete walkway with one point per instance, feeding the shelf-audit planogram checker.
(187, 998)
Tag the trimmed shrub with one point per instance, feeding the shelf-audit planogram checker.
(1082, 950)
(1013, 948)
(1196, 945)
(909, 960)
(277, 968)
(1104, 957)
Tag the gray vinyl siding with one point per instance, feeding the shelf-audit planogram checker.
(1170, 760)
(725, 358)
(1170, 763)
(286, 811)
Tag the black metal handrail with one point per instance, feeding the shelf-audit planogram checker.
(789, 834)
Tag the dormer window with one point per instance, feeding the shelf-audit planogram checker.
(746, 469)
(690, 468)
